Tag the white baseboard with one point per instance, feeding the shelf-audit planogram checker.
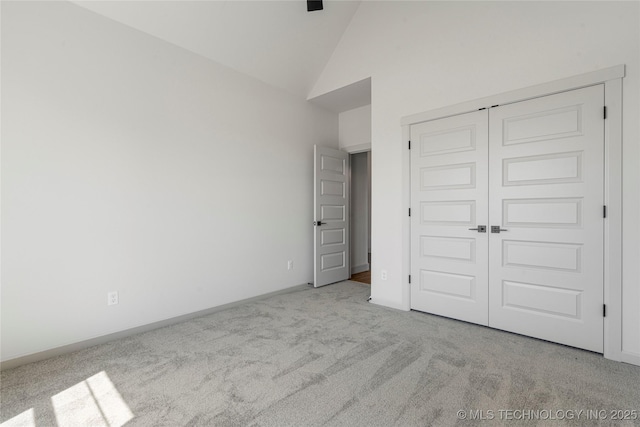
(70, 348)
(360, 268)
(631, 358)
(389, 304)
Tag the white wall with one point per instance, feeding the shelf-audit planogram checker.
(354, 135)
(355, 128)
(425, 55)
(132, 165)
(359, 230)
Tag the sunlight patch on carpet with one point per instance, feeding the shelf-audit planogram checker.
(95, 402)
(25, 419)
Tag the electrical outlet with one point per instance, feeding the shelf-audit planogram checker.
(112, 298)
(383, 274)
(289, 265)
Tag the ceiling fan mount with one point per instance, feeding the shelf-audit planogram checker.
(313, 5)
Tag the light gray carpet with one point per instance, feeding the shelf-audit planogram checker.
(319, 357)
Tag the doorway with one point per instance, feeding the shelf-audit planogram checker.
(360, 217)
(342, 216)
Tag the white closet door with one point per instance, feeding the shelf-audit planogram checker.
(449, 184)
(546, 188)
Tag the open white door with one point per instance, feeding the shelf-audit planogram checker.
(331, 211)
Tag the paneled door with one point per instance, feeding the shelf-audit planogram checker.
(331, 211)
(449, 185)
(546, 200)
(533, 173)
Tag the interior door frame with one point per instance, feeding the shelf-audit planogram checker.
(356, 149)
(612, 79)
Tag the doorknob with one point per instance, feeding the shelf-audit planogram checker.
(497, 229)
(318, 223)
(480, 229)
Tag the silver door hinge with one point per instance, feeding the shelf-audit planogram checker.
(604, 112)
(604, 310)
(604, 211)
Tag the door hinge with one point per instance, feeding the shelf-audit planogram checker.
(604, 211)
(604, 112)
(604, 310)
(409, 145)
(409, 278)
(409, 211)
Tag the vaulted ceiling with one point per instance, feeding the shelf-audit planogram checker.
(277, 42)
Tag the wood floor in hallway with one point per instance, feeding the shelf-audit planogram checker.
(363, 277)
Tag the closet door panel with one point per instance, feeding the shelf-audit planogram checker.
(547, 189)
(449, 184)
